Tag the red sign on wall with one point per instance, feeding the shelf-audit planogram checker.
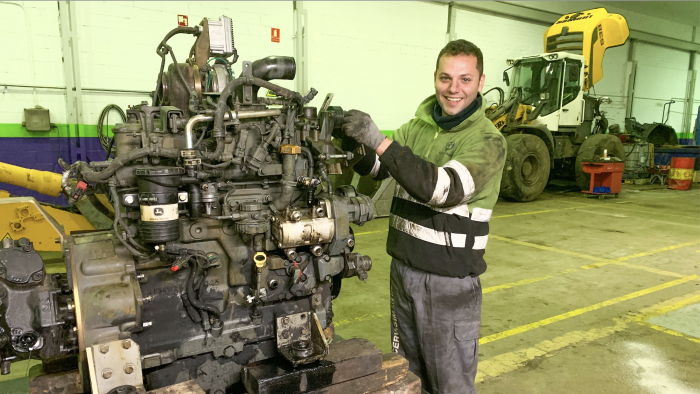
(182, 20)
(275, 35)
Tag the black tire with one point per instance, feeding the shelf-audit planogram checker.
(592, 149)
(527, 168)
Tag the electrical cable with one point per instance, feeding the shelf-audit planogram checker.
(106, 142)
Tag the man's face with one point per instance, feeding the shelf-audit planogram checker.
(457, 83)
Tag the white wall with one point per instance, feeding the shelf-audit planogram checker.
(16, 66)
(377, 57)
(499, 39)
(661, 77)
(118, 41)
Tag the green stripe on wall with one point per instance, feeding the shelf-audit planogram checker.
(16, 130)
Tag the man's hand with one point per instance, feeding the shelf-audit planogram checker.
(360, 127)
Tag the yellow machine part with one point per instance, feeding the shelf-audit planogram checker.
(44, 182)
(25, 217)
(588, 33)
(520, 116)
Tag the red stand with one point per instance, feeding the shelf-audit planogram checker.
(604, 174)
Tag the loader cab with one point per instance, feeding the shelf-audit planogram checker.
(551, 84)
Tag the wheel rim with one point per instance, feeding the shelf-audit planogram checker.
(530, 170)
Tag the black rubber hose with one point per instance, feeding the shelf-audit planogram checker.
(105, 141)
(91, 175)
(221, 106)
(177, 69)
(501, 94)
(216, 154)
(307, 152)
(117, 220)
(159, 82)
(196, 206)
(191, 295)
(162, 44)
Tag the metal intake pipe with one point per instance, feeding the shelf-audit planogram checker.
(189, 133)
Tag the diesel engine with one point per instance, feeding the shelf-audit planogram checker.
(228, 241)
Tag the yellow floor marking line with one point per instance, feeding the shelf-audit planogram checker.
(514, 284)
(544, 211)
(618, 261)
(647, 253)
(366, 316)
(511, 361)
(646, 211)
(669, 331)
(581, 311)
(648, 269)
(548, 248)
(372, 232)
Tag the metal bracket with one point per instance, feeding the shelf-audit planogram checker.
(114, 364)
(23, 213)
(300, 338)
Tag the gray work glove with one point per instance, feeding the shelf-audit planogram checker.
(360, 127)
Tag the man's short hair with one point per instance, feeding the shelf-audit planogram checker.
(462, 47)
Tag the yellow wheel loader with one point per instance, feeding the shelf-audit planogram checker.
(549, 118)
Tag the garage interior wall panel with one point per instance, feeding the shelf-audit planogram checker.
(499, 39)
(19, 58)
(661, 77)
(118, 42)
(377, 57)
(696, 95)
(614, 84)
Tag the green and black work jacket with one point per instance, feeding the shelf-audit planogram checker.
(447, 185)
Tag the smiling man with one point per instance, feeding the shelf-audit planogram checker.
(447, 162)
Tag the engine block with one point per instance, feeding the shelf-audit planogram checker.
(229, 239)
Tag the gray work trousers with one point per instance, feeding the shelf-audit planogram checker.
(435, 324)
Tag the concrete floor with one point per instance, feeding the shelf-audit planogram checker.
(581, 295)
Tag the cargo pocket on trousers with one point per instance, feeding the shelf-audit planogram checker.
(465, 331)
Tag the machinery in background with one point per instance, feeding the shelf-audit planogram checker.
(549, 119)
(228, 240)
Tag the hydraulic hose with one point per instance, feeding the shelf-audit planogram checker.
(231, 87)
(91, 175)
(307, 152)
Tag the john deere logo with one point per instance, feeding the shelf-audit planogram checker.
(158, 211)
(450, 146)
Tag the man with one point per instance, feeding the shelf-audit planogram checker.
(447, 163)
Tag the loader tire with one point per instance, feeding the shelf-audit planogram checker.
(526, 171)
(592, 149)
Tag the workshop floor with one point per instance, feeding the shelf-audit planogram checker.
(581, 295)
